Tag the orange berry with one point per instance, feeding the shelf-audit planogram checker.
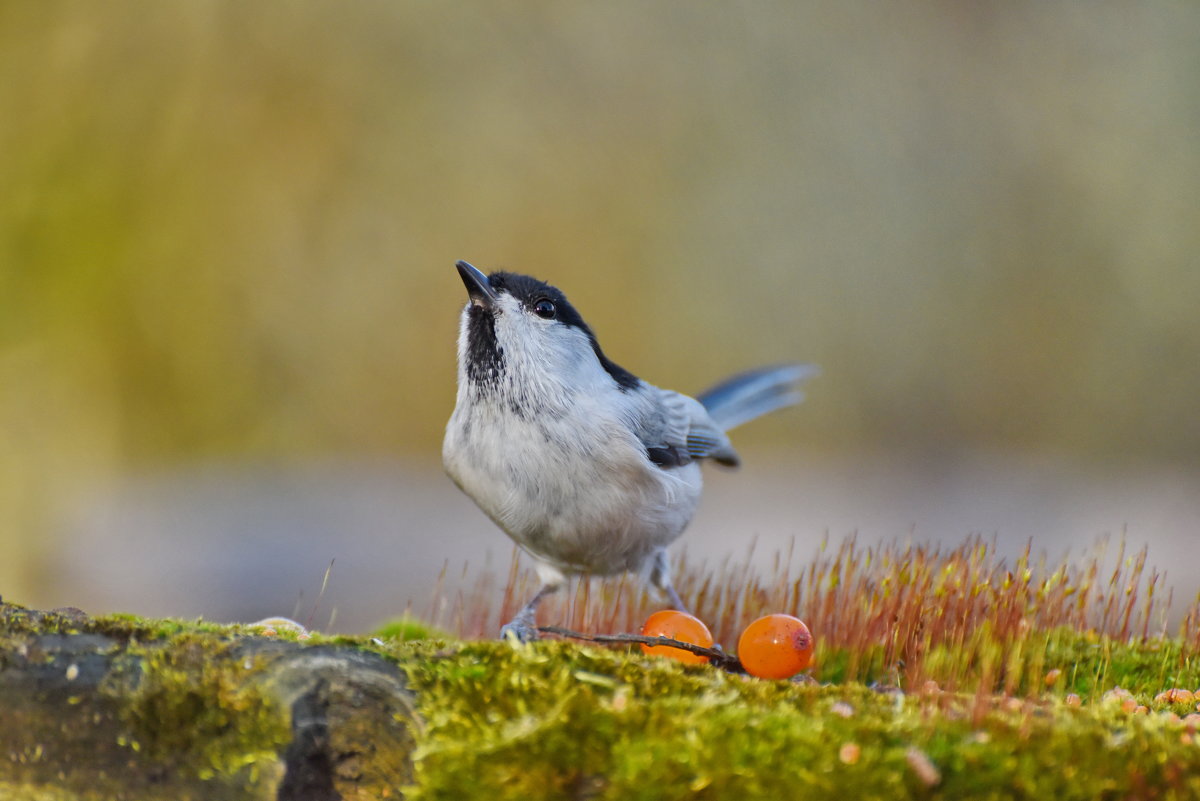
(775, 647)
(678, 626)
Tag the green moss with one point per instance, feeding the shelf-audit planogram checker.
(156, 709)
(144, 629)
(184, 698)
(405, 629)
(557, 720)
(194, 698)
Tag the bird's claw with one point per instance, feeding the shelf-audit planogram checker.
(519, 631)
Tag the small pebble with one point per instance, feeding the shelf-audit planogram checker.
(842, 709)
(1116, 695)
(274, 623)
(923, 766)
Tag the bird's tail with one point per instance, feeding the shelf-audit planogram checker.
(752, 394)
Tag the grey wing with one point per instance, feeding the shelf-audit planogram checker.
(688, 432)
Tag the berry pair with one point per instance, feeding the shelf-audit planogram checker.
(772, 647)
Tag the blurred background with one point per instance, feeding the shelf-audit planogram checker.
(228, 302)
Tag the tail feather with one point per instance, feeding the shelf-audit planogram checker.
(748, 395)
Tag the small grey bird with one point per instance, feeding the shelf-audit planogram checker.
(588, 468)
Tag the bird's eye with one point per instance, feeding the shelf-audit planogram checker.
(544, 308)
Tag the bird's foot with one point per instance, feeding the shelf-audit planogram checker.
(521, 629)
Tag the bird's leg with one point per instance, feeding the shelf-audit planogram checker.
(523, 626)
(660, 579)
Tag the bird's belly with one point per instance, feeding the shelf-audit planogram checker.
(598, 510)
(612, 523)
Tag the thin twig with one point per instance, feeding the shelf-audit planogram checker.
(716, 655)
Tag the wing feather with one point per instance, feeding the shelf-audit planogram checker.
(688, 432)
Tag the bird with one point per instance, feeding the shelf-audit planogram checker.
(587, 468)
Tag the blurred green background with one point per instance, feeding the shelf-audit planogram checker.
(228, 229)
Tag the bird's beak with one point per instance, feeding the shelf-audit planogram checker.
(478, 288)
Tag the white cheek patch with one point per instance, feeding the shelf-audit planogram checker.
(545, 351)
(573, 344)
(508, 304)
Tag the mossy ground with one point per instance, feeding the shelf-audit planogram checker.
(940, 672)
(987, 683)
(558, 720)
(562, 720)
(173, 694)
